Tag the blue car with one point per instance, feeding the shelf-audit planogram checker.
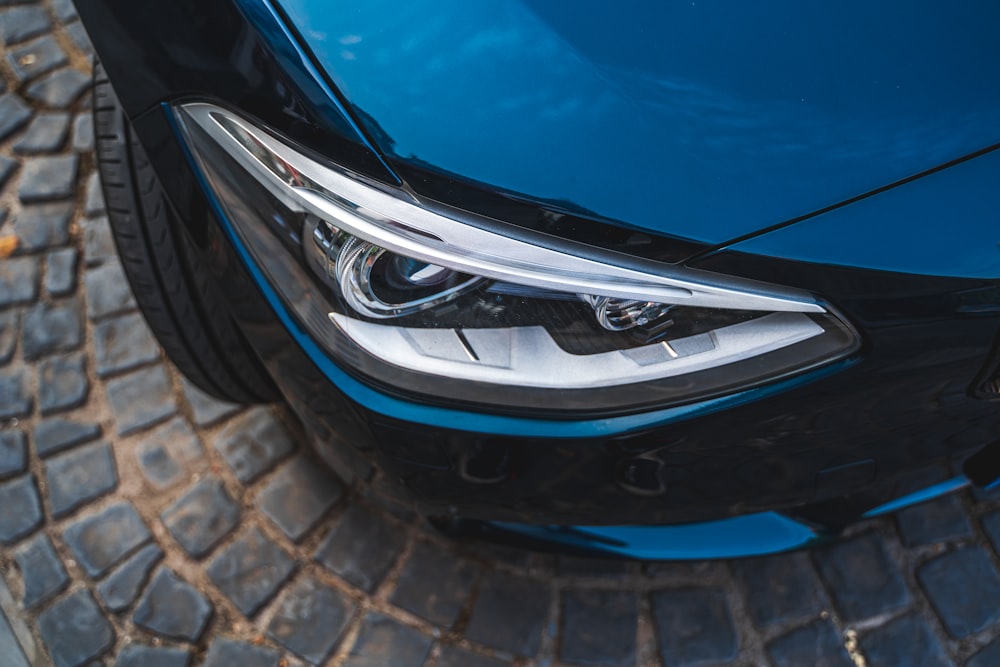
(671, 280)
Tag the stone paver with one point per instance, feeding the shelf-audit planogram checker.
(310, 620)
(123, 343)
(253, 443)
(173, 608)
(103, 539)
(42, 572)
(816, 645)
(74, 630)
(79, 476)
(22, 508)
(62, 383)
(250, 571)
(510, 613)
(140, 399)
(361, 547)
(13, 453)
(905, 641)
(434, 584)
(19, 278)
(42, 226)
(863, 580)
(124, 583)
(57, 434)
(599, 627)
(298, 497)
(135, 655)
(202, 516)
(144, 522)
(384, 641)
(226, 653)
(964, 585)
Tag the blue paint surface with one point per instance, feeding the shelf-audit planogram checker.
(706, 120)
(944, 224)
(749, 535)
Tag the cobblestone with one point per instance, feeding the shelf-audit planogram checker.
(122, 343)
(987, 657)
(93, 202)
(83, 131)
(79, 476)
(165, 452)
(64, 10)
(122, 586)
(22, 509)
(21, 23)
(434, 584)
(80, 38)
(383, 641)
(42, 572)
(140, 399)
(173, 608)
(964, 586)
(253, 443)
(75, 631)
(15, 395)
(205, 409)
(56, 434)
(228, 653)
(36, 57)
(46, 133)
(60, 271)
(7, 165)
(14, 114)
(862, 579)
(936, 521)
(13, 453)
(48, 178)
(310, 619)
(904, 641)
(453, 656)
(107, 291)
(250, 570)
(779, 588)
(51, 327)
(135, 655)
(58, 89)
(694, 627)
(510, 613)
(103, 539)
(62, 383)
(816, 645)
(42, 226)
(991, 526)
(18, 280)
(361, 547)
(298, 497)
(201, 517)
(8, 334)
(598, 627)
(98, 244)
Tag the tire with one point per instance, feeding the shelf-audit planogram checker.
(173, 289)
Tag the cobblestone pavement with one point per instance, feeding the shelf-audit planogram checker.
(142, 523)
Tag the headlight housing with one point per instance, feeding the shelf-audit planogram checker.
(445, 306)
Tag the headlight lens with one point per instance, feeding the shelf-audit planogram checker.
(444, 305)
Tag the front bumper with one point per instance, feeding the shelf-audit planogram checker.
(822, 449)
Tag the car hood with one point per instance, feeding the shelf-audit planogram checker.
(696, 119)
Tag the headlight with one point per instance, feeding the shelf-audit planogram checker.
(444, 305)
